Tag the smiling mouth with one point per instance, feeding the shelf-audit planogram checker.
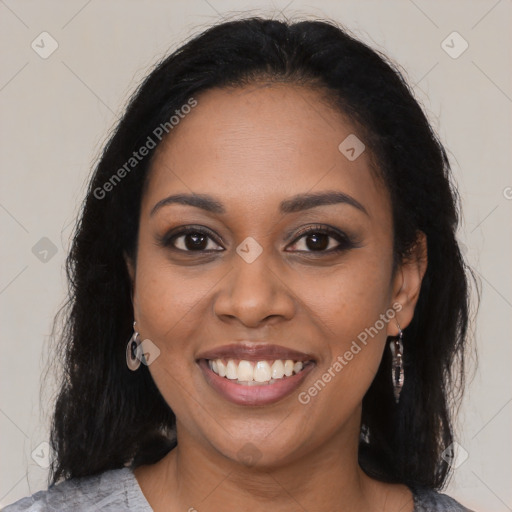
(256, 373)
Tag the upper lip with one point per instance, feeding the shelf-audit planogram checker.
(254, 352)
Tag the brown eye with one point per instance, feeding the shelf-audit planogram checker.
(323, 240)
(190, 240)
(317, 241)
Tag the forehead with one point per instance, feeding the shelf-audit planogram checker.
(257, 145)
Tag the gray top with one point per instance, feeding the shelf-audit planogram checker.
(117, 489)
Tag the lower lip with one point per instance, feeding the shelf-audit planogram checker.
(263, 394)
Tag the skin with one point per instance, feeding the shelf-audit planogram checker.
(251, 148)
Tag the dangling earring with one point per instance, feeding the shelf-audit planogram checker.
(397, 365)
(133, 350)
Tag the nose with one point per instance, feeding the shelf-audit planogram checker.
(254, 294)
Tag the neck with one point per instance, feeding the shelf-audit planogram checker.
(194, 476)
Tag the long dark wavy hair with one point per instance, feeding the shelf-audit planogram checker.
(107, 416)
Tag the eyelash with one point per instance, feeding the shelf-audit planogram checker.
(345, 242)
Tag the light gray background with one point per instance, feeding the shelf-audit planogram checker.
(56, 113)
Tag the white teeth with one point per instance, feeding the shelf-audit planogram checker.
(231, 370)
(245, 371)
(250, 372)
(277, 369)
(221, 368)
(262, 372)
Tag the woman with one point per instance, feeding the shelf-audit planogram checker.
(271, 233)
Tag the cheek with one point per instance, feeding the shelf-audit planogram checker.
(352, 308)
(167, 295)
(348, 298)
(170, 306)
(170, 311)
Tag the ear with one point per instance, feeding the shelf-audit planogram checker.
(407, 283)
(131, 271)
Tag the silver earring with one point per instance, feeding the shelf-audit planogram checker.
(133, 350)
(397, 365)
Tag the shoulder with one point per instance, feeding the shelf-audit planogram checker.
(112, 490)
(429, 500)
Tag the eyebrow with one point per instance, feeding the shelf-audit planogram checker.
(295, 204)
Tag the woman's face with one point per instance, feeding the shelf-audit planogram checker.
(246, 277)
